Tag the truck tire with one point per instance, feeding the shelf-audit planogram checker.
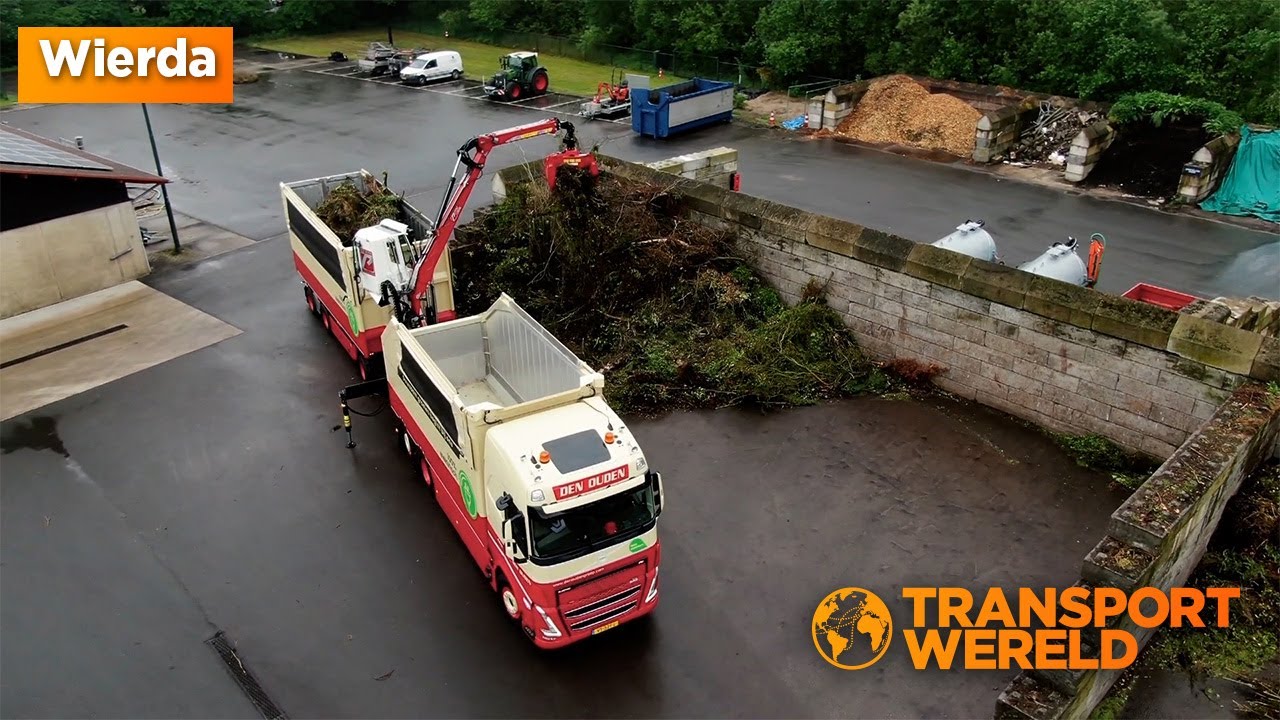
(456, 75)
(514, 91)
(362, 363)
(311, 300)
(540, 82)
(510, 603)
(426, 472)
(328, 324)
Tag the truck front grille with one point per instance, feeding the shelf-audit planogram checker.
(584, 624)
(587, 609)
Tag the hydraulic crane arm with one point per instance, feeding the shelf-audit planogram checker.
(472, 155)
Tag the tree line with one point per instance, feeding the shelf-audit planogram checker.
(1227, 51)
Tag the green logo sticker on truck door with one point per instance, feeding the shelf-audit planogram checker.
(351, 313)
(637, 545)
(468, 495)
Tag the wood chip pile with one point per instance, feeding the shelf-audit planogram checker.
(900, 111)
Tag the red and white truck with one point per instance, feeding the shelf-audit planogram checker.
(552, 496)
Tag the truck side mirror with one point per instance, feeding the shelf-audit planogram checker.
(655, 479)
(515, 548)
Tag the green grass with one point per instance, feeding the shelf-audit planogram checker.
(568, 75)
(7, 100)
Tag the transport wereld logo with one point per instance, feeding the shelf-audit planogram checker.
(852, 628)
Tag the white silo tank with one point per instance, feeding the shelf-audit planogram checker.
(970, 239)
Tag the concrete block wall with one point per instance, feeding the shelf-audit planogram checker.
(714, 166)
(69, 257)
(836, 105)
(1087, 149)
(1200, 177)
(999, 129)
(1156, 538)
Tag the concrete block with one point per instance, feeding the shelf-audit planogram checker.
(1132, 320)
(1094, 376)
(1002, 284)
(1060, 301)
(1266, 364)
(886, 251)
(1215, 344)
(936, 265)
(902, 280)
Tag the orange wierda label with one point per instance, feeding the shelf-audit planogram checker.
(125, 65)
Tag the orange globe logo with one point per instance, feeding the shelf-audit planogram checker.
(852, 628)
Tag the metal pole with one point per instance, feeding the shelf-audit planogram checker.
(164, 187)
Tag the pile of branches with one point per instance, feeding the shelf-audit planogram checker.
(348, 208)
(661, 304)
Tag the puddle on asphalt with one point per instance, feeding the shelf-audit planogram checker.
(36, 433)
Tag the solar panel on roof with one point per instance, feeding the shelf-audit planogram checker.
(19, 150)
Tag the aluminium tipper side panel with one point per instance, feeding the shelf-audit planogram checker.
(525, 359)
(507, 349)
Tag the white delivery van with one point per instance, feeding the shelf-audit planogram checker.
(439, 65)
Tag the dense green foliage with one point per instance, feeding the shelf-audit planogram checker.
(1225, 52)
(1158, 108)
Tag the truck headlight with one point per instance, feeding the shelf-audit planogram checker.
(550, 631)
(653, 588)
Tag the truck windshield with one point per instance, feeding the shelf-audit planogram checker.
(563, 536)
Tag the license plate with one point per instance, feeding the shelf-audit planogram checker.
(602, 628)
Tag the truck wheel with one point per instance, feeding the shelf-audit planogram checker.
(363, 363)
(328, 324)
(510, 603)
(455, 75)
(426, 472)
(311, 300)
(540, 82)
(514, 91)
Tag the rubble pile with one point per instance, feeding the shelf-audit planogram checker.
(1253, 313)
(898, 110)
(348, 208)
(662, 305)
(1047, 140)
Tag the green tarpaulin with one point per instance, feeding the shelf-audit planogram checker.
(1252, 185)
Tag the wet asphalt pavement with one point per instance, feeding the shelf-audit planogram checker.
(298, 124)
(211, 493)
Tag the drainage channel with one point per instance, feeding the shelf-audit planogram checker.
(245, 679)
(63, 346)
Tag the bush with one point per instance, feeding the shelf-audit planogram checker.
(1161, 107)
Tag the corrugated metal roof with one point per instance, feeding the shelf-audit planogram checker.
(25, 153)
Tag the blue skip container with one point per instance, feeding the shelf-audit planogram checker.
(670, 110)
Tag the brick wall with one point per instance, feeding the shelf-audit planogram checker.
(1068, 358)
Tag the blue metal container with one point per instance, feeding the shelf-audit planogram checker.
(674, 109)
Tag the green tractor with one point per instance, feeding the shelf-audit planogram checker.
(521, 76)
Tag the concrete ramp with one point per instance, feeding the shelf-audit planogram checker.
(61, 350)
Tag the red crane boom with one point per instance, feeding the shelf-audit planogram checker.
(473, 154)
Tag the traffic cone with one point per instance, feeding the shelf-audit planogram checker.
(773, 121)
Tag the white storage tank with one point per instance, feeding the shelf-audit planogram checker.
(1060, 262)
(970, 239)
